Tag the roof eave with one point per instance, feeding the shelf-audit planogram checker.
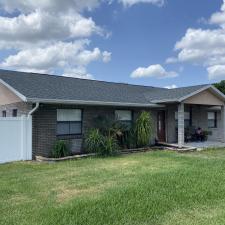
(99, 103)
(17, 93)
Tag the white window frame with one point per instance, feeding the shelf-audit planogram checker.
(213, 118)
(123, 118)
(69, 117)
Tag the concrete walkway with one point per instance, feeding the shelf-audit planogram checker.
(206, 144)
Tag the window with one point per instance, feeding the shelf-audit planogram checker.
(14, 113)
(4, 113)
(187, 119)
(212, 119)
(69, 121)
(124, 116)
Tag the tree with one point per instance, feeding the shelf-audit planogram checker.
(220, 86)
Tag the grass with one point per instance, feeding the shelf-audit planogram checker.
(158, 188)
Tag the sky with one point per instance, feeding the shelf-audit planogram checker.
(164, 43)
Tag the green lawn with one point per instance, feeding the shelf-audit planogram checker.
(148, 188)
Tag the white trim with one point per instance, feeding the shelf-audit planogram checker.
(81, 102)
(34, 109)
(22, 97)
(165, 101)
(217, 92)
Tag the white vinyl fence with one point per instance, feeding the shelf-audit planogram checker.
(15, 139)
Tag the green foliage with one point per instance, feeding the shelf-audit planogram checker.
(143, 129)
(110, 146)
(113, 128)
(205, 134)
(104, 124)
(60, 149)
(100, 144)
(94, 141)
(221, 86)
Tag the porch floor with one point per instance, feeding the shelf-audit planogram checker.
(206, 144)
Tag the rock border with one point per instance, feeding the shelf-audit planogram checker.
(45, 159)
(122, 152)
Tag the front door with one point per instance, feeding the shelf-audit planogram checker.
(161, 128)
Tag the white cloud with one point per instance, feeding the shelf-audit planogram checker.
(78, 73)
(171, 60)
(48, 5)
(43, 27)
(216, 72)
(219, 17)
(128, 3)
(50, 35)
(156, 71)
(204, 47)
(69, 56)
(172, 86)
(106, 56)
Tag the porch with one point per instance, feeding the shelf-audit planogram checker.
(210, 120)
(204, 110)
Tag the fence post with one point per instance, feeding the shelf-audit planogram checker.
(29, 137)
(22, 137)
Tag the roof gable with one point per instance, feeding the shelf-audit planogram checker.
(205, 97)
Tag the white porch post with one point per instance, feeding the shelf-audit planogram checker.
(223, 122)
(180, 125)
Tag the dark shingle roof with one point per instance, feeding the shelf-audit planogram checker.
(39, 86)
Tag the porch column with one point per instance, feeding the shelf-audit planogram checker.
(223, 122)
(180, 125)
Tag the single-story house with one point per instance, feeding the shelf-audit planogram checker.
(64, 108)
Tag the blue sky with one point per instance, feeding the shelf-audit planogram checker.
(118, 40)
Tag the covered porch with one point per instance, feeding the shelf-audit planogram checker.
(210, 120)
(204, 110)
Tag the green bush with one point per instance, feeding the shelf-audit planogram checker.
(100, 144)
(94, 141)
(110, 146)
(60, 149)
(143, 129)
(104, 124)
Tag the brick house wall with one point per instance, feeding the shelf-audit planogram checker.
(45, 126)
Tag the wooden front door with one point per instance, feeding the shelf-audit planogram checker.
(161, 127)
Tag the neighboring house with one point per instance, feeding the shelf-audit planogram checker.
(64, 108)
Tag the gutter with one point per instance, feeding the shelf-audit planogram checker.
(97, 103)
(34, 109)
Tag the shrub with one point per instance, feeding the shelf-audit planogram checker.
(143, 129)
(104, 124)
(205, 134)
(109, 147)
(102, 145)
(94, 141)
(60, 149)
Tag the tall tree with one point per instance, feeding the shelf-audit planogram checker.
(220, 86)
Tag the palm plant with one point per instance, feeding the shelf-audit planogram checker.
(143, 129)
(94, 141)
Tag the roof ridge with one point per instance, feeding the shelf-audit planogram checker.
(78, 78)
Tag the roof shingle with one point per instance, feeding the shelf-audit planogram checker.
(51, 87)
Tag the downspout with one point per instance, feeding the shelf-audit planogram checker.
(30, 132)
(34, 109)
